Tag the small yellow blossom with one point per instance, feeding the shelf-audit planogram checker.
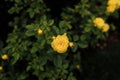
(98, 22)
(105, 27)
(4, 57)
(1, 68)
(53, 37)
(71, 44)
(39, 31)
(78, 66)
(60, 43)
(111, 8)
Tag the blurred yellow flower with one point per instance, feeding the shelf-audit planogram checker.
(60, 43)
(39, 31)
(111, 8)
(1, 68)
(118, 4)
(105, 27)
(113, 5)
(111, 2)
(78, 66)
(71, 44)
(98, 22)
(4, 57)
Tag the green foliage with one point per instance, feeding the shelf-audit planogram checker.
(31, 53)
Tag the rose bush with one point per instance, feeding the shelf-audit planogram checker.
(43, 47)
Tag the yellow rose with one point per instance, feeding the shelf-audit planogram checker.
(60, 43)
(4, 57)
(39, 31)
(1, 68)
(111, 8)
(111, 2)
(118, 4)
(105, 27)
(98, 22)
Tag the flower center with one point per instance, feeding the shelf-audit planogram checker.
(61, 43)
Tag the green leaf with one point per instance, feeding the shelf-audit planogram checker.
(43, 60)
(31, 12)
(16, 57)
(87, 29)
(33, 50)
(17, 1)
(57, 61)
(29, 33)
(56, 29)
(72, 78)
(83, 45)
(62, 24)
(75, 37)
(28, 68)
(82, 37)
(65, 66)
(22, 76)
(42, 44)
(41, 68)
(51, 22)
(12, 10)
(69, 26)
(30, 27)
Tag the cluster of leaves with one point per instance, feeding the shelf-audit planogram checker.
(30, 53)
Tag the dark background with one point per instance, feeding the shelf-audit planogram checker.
(5, 17)
(96, 63)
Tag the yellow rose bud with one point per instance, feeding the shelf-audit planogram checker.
(4, 57)
(98, 22)
(71, 44)
(105, 27)
(1, 68)
(53, 37)
(78, 66)
(39, 31)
